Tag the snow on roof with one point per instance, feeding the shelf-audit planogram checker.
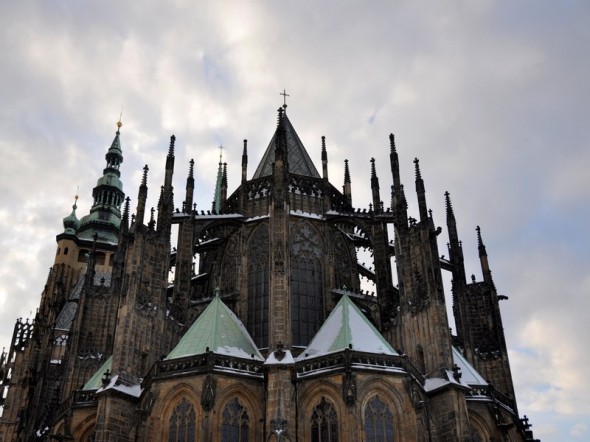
(219, 330)
(119, 384)
(346, 327)
(303, 214)
(287, 358)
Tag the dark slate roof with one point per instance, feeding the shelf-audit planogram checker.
(299, 161)
(68, 312)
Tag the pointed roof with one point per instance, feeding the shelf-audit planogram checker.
(345, 326)
(299, 161)
(95, 381)
(219, 330)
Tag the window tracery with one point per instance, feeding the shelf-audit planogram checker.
(235, 423)
(324, 423)
(378, 421)
(181, 425)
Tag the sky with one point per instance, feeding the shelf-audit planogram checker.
(491, 96)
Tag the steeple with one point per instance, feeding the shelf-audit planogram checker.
(71, 222)
(105, 215)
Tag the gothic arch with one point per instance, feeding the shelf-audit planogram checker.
(85, 429)
(313, 394)
(227, 404)
(258, 280)
(307, 270)
(165, 407)
(478, 428)
(390, 396)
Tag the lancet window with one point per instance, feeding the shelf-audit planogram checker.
(378, 421)
(235, 423)
(181, 426)
(324, 423)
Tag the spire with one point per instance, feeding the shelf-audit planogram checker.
(105, 215)
(347, 189)
(281, 145)
(142, 197)
(71, 222)
(218, 184)
(455, 249)
(152, 223)
(190, 186)
(420, 190)
(324, 159)
(483, 258)
(245, 162)
(166, 203)
(399, 204)
(125, 218)
(375, 188)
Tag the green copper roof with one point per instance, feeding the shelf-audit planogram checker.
(347, 326)
(299, 161)
(219, 330)
(95, 382)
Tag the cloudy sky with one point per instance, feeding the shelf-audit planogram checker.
(491, 96)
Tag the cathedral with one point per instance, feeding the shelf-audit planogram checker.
(250, 321)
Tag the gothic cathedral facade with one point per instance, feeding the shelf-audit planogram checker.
(263, 333)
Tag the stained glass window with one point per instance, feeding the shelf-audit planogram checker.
(258, 281)
(235, 423)
(181, 426)
(324, 423)
(378, 421)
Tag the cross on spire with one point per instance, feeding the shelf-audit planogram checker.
(285, 95)
(220, 153)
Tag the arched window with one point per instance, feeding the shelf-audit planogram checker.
(258, 286)
(324, 423)
(306, 284)
(66, 251)
(235, 423)
(181, 426)
(378, 421)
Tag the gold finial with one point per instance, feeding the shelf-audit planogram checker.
(119, 124)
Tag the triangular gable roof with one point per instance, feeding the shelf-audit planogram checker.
(95, 382)
(219, 330)
(469, 374)
(299, 161)
(346, 326)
